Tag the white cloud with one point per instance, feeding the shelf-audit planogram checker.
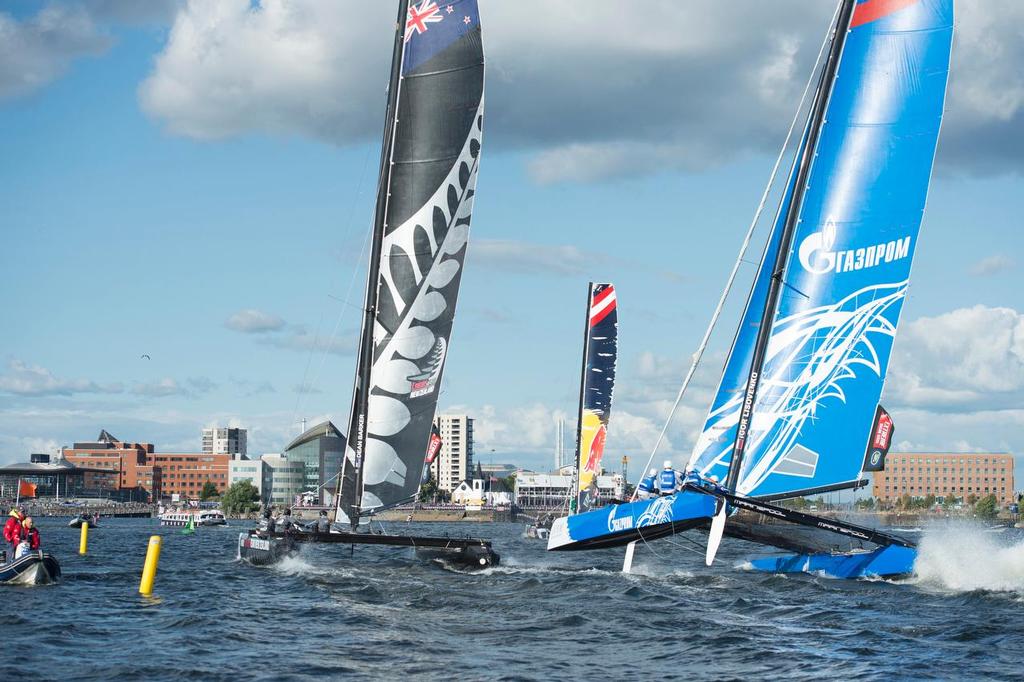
(674, 86)
(992, 265)
(970, 358)
(34, 381)
(37, 50)
(162, 388)
(529, 258)
(252, 321)
(300, 339)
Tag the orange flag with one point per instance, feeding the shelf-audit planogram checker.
(26, 489)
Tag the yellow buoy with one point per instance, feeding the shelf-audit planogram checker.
(83, 544)
(149, 570)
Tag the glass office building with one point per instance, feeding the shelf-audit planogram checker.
(320, 449)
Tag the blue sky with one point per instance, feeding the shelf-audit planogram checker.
(194, 181)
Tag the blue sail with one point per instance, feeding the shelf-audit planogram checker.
(849, 266)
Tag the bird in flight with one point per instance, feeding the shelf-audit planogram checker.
(145, 356)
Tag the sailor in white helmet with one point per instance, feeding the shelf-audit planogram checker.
(668, 480)
(646, 488)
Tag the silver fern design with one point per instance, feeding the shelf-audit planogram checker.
(421, 269)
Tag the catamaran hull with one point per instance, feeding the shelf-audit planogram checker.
(258, 551)
(32, 569)
(620, 524)
(885, 562)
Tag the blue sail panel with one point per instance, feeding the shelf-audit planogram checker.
(713, 449)
(849, 266)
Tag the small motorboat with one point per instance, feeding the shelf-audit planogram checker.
(537, 532)
(93, 521)
(33, 568)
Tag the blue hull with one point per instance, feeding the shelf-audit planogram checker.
(885, 562)
(620, 524)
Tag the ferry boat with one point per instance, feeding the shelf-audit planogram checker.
(206, 517)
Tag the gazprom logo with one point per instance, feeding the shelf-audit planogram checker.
(818, 255)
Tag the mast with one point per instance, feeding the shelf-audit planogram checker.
(350, 483)
(579, 412)
(816, 120)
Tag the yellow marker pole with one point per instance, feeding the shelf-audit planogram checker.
(149, 570)
(83, 544)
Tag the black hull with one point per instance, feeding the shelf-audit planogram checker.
(259, 549)
(77, 523)
(32, 569)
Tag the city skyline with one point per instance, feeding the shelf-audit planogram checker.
(186, 233)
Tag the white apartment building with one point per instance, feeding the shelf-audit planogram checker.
(231, 441)
(455, 461)
(244, 469)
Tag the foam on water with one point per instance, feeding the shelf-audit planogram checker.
(965, 558)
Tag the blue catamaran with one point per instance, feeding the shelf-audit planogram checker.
(798, 397)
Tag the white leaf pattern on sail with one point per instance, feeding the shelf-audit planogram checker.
(383, 464)
(809, 356)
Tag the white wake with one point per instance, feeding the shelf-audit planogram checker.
(966, 558)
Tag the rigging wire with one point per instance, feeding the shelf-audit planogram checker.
(740, 259)
(306, 386)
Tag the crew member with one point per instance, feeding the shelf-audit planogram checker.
(645, 489)
(269, 523)
(12, 529)
(667, 480)
(285, 523)
(323, 524)
(28, 538)
(715, 486)
(692, 478)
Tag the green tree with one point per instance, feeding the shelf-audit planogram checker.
(428, 490)
(905, 501)
(948, 501)
(987, 507)
(209, 491)
(972, 499)
(241, 498)
(929, 501)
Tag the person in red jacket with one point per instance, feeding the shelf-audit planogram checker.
(28, 538)
(12, 529)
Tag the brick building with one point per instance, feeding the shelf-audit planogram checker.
(940, 474)
(125, 466)
(123, 469)
(184, 473)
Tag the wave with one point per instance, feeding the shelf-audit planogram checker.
(965, 558)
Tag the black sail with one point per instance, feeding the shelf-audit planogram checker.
(425, 198)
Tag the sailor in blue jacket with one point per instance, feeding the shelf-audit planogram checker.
(668, 480)
(692, 478)
(645, 489)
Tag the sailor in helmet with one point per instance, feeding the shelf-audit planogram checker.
(645, 489)
(714, 486)
(692, 478)
(668, 479)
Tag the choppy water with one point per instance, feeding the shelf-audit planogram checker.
(386, 614)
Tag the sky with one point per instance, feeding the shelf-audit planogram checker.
(193, 182)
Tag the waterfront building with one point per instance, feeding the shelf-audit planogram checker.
(920, 474)
(241, 468)
(185, 473)
(320, 449)
(455, 461)
(230, 441)
(550, 491)
(496, 471)
(57, 479)
(283, 481)
(116, 468)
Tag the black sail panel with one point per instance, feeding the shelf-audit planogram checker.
(430, 185)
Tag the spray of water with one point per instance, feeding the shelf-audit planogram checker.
(965, 557)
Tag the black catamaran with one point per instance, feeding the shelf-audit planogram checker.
(428, 169)
(797, 412)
